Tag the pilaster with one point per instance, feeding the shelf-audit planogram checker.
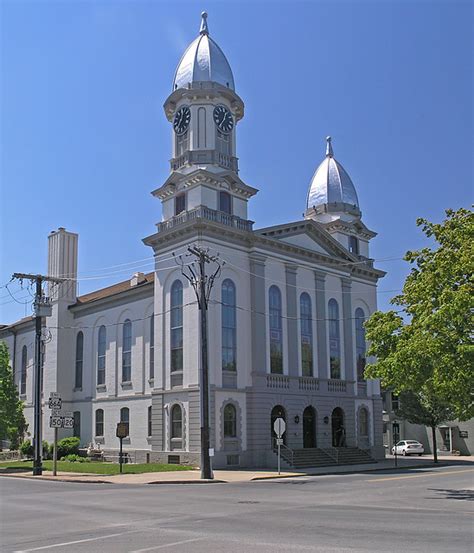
(347, 325)
(257, 299)
(321, 326)
(292, 322)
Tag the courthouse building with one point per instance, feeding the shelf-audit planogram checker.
(286, 335)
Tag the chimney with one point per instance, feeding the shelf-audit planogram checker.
(137, 278)
(62, 262)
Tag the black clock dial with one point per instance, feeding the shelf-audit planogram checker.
(223, 119)
(181, 120)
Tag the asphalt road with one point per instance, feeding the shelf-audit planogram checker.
(422, 510)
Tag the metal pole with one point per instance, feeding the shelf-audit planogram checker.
(37, 463)
(205, 441)
(120, 455)
(278, 442)
(55, 452)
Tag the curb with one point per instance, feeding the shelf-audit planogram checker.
(189, 482)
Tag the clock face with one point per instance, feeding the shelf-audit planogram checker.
(223, 119)
(181, 120)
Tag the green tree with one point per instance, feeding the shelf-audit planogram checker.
(12, 420)
(426, 346)
(425, 409)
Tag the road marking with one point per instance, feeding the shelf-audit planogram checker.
(155, 547)
(419, 475)
(74, 542)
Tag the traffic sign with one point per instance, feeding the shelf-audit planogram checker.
(68, 422)
(55, 422)
(122, 430)
(279, 426)
(55, 403)
(279, 441)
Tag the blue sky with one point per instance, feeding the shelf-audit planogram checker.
(84, 138)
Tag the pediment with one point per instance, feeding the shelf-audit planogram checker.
(309, 235)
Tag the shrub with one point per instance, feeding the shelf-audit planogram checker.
(47, 450)
(68, 446)
(72, 458)
(26, 448)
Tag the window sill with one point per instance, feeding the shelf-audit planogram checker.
(23, 397)
(101, 388)
(99, 439)
(151, 382)
(126, 385)
(77, 389)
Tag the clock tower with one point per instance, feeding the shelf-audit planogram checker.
(204, 111)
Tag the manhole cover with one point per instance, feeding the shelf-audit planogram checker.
(248, 502)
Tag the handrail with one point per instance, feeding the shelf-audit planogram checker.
(285, 448)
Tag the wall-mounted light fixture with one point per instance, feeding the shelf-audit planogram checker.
(326, 420)
(297, 419)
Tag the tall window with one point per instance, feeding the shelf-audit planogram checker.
(334, 339)
(230, 421)
(363, 422)
(179, 204)
(181, 143)
(276, 332)
(176, 422)
(360, 342)
(127, 351)
(223, 143)
(79, 359)
(229, 326)
(225, 202)
(24, 362)
(176, 318)
(101, 355)
(125, 417)
(149, 421)
(76, 429)
(152, 346)
(99, 422)
(306, 330)
(353, 245)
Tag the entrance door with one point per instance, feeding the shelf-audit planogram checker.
(338, 431)
(309, 427)
(278, 412)
(445, 438)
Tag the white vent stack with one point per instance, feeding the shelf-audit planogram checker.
(137, 278)
(62, 262)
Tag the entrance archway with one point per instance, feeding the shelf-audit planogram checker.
(278, 412)
(309, 427)
(338, 430)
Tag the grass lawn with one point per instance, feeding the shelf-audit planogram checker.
(93, 467)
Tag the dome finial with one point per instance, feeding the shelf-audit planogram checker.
(204, 30)
(329, 152)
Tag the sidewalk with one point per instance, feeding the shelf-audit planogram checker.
(228, 476)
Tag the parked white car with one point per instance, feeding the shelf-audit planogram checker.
(408, 447)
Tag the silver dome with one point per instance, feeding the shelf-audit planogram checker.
(331, 186)
(203, 61)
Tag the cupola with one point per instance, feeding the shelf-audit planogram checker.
(203, 61)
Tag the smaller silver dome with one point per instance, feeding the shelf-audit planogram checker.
(203, 61)
(332, 187)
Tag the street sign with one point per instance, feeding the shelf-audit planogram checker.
(56, 412)
(56, 422)
(122, 430)
(68, 422)
(55, 403)
(54, 394)
(279, 426)
(279, 441)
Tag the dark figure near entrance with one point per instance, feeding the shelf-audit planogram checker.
(340, 437)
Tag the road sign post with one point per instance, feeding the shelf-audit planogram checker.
(279, 426)
(55, 421)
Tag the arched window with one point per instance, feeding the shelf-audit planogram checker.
(149, 421)
(225, 202)
(334, 339)
(152, 346)
(354, 245)
(79, 360)
(176, 330)
(101, 355)
(125, 417)
(360, 342)
(230, 421)
(306, 331)
(127, 351)
(229, 330)
(276, 331)
(176, 422)
(99, 422)
(179, 204)
(24, 363)
(363, 422)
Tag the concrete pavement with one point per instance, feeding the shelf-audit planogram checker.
(220, 476)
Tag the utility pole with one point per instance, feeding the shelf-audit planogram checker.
(202, 284)
(42, 308)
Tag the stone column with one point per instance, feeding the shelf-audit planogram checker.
(257, 298)
(347, 326)
(321, 325)
(291, 322)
